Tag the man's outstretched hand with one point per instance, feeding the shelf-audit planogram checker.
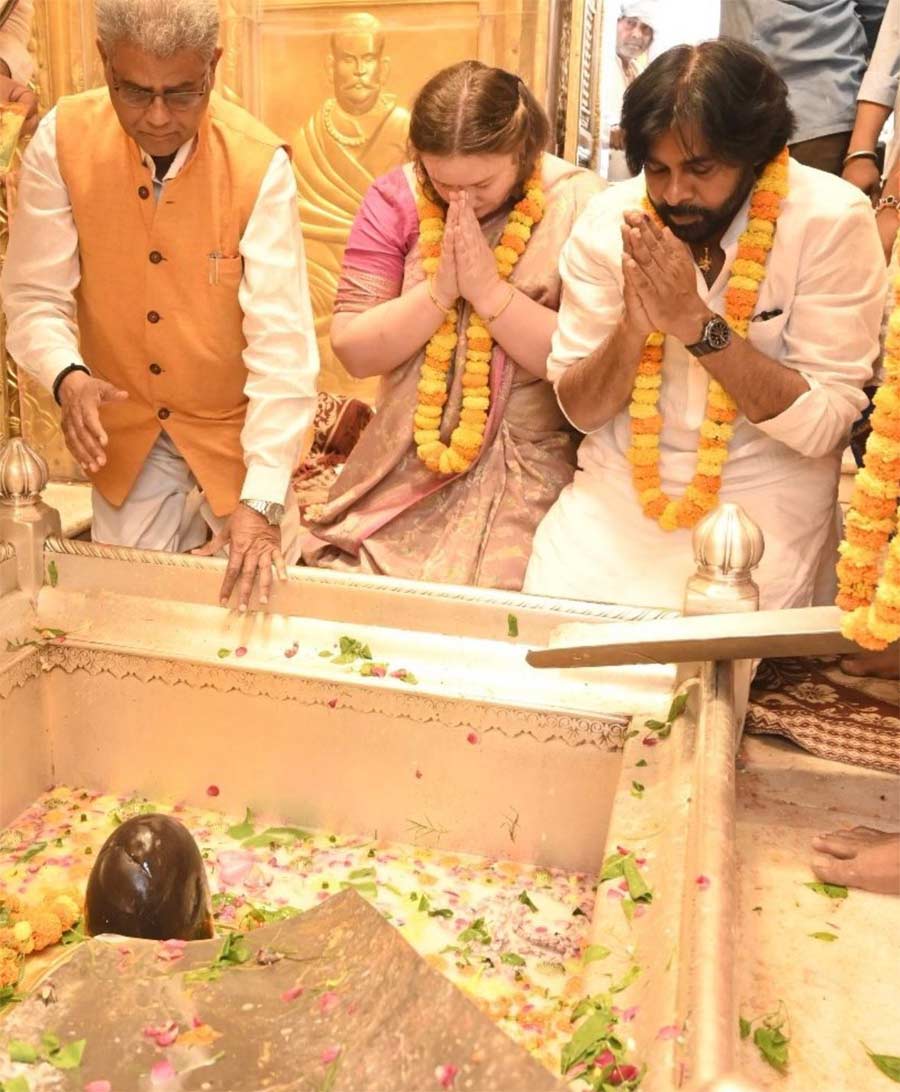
(81, 396)
(254, 548)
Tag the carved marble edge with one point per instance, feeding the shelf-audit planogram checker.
(606, 732)
(7, 551)
(23, 668)
(487, 597)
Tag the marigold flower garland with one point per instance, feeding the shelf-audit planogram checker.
(869, 567)
(25, 929)
(467, 438)
(747, 274)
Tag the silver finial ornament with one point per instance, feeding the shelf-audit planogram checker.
(728, 545)
(23, 473)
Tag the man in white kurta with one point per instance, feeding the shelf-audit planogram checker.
(634, 37)
(813, 336)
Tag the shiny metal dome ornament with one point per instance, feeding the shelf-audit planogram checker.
(23, 473)
(727, 546)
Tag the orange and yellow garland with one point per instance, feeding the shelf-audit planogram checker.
(467, 438)
(747, 274)
(25, 929)
(869, 566)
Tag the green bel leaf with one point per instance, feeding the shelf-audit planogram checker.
(772, 1044)
(613, 867)
(33, 851)
(827, 937)
(830, 890)
(363, 874)
(15, 1084)
(52, 574)
(223, 652)
(69, 1056)
(637, 885)
(654, 725)
(744, 1025)
(587, 1042)
(512, 626)
(242, 830)
(512, 959)
(594, 952)
(889, 1064)
(278, 836)
(630, 975)
(50, 1042)
(22, 1052)
(526, 901)
(637, 790)
(678, 706)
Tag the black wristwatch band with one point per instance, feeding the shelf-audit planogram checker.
(57, 383)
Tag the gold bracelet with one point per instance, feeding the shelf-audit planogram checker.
(493, 318)
(437, 303)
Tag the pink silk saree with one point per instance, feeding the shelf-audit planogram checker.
(387, 513)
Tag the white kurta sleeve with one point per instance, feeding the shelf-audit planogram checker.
(831, 336)
(281, 356)
(42, 268)
(591, 303)
(15, 34)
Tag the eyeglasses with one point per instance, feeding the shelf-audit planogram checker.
(142, 97)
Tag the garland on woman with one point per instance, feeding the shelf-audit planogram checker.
(467, 438)
(747, 274)
(869, 566)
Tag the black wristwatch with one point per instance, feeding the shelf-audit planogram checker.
(57, 383)
(716, 336)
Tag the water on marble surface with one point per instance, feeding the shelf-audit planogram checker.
(510, 935)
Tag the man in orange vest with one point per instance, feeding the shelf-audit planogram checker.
(156, 283)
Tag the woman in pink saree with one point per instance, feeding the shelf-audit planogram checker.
(477, 134)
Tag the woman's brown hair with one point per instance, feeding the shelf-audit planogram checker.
(472, 109)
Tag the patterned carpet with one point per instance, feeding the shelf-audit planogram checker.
(830, 714)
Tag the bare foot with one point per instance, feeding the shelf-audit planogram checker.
(861, 857)
(876, 665)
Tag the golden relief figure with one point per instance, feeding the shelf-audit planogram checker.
(354, 136)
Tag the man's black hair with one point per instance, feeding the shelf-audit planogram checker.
(723, 90)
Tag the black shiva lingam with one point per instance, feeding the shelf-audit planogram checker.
(149, 881)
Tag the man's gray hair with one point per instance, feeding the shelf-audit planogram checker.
(161, 27)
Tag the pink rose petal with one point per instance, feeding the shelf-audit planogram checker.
(240, 651)
(163, 1036)
(292, 994)
(670, 1031)
(622, 1073)
(330, 1054)
(629, 1014)
(329, 1001)
(614, 893)
(235, 865)
(170, 950)
(162, 1072)
(606, 1058)
(98, 1086)
(649, 741)
(703, 883)
(213, 790)
(333, 703)
(418, 775)
(472, 737)
(446, 1075)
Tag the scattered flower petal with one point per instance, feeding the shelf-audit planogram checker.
(614, 893)
(235, 865)
(213, 790)
(330, 1054)
(241, 650)
(472, 737)
(163, 1036)
(703, 882)
(329, 1001)
(162, 1072)
(446, 1075)
(649, 741)
(333, 703)
(292, 994)
(670, 1031)
(629, 1014)
(622, 1073)
(170, 950)
(418, 775)
(98, 1086)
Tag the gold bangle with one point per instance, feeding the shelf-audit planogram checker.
(493, 318)
(437, 303)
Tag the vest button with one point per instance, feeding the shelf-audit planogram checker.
(155, 368)
(143, 193)
(155, 257)
(153, 316)
(162, 414)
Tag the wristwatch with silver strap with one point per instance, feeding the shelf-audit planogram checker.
(272, 512)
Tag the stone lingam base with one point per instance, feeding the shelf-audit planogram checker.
(331, 999)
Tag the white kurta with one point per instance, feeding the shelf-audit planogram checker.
(818, 311)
